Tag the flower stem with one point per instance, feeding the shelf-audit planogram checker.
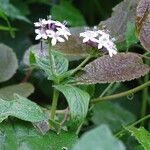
(122, 94)
(51, 61)
(54, 104)
(120, 133)
(81, 65)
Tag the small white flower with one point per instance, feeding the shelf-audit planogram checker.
(64, 32)
(41, 23)
(40, 34)
(105, 41)
(55, 36)
(89, 36)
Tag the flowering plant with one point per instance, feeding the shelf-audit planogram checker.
(77, 71)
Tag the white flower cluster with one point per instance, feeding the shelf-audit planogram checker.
(50, 29)
(99, 39)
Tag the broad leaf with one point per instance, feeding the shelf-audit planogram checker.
(21, 108)
(8, 63)
(23, 89)
(123, 13)
(112, 114)
(99, 138)
(143, 23)
(21, 135)
(66, 11)
(142, 135)
(121, 67)
(130, 34)
(78, 102)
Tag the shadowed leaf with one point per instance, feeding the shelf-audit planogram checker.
(74, 49)
(8, 63)
(121, 67)
(20, 135)
(66, 11)
(23, 89)
(143, 23)
(99, 138)
(123, 13)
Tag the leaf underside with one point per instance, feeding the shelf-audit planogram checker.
(106, 69)
(143, 23)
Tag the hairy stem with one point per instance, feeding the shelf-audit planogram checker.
(54, 104)
(122, 94)
(81, 65)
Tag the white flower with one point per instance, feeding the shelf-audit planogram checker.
(41, 23)
(89, 36)
(55, 36)
(64, 32)
(50, 29)
(40, 34)
(105, 41)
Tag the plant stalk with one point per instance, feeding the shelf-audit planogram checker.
(120, 133)
(54, 104)
(122, 94)
(144, 98)
(81, 65)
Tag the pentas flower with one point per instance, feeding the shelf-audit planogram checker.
(99, 39)
(53, 30)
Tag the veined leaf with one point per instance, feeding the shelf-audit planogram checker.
(121, 67)
(143, 23)
(8, 63)
(60, 65)
(99, 138)
(23, 89)
(78, 101)
(21, 108)
(142, 135)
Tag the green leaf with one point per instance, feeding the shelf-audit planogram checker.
(32, 58)
(23, 89)
(60, 65)
(8, 63)
(113, 115)
(106, 69)
(20, 135)
(99, 138)
(21, 108)
(142, 135)
(66, 11)
(78, 102)
(11, 11)
(131, 37)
